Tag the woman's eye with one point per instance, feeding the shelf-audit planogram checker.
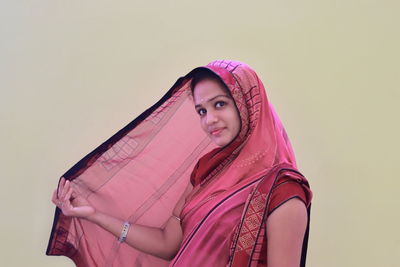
(220, 104)
(201, 111)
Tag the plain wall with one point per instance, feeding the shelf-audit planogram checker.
(72, 73)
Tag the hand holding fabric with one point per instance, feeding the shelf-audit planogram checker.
(71, 204)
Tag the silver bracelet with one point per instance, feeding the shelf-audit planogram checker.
(124, 232)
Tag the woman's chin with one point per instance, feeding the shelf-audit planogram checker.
(221, 142)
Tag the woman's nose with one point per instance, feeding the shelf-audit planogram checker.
(211, 118)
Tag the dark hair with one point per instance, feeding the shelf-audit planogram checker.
(202, 74)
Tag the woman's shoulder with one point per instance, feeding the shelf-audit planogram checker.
(284, 189)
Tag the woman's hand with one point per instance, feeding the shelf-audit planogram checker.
(160, 242)
(71, 204)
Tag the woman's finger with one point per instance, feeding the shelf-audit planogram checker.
(56, 200)
(67, 207)
(68, 195)
(54, 197)
(64, 189)
(74, 194)
(60, 187)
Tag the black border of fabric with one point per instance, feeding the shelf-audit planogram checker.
(305, 240)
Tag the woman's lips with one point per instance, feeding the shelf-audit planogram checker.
(217, 131)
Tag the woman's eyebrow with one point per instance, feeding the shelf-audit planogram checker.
(211, 99)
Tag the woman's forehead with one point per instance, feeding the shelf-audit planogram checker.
(205, 100)
(209, 88)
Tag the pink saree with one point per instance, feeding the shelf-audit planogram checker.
(139, 174)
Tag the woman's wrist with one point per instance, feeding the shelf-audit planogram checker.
(111, 224)
(94, 217)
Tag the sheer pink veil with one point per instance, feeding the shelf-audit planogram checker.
(136, 175)
(140, 172)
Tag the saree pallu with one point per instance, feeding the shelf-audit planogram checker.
(133, 176)
(229, 229)
(139, 174)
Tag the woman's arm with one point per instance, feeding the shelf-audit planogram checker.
(286, 227)
(163, 243)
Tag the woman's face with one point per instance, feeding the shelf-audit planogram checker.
(219, 116)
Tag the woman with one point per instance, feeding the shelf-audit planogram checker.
(246, 203)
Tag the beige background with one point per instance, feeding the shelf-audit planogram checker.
(72, 73)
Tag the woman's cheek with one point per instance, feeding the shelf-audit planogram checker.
(203, 125)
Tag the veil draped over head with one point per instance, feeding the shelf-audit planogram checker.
(139, 174)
